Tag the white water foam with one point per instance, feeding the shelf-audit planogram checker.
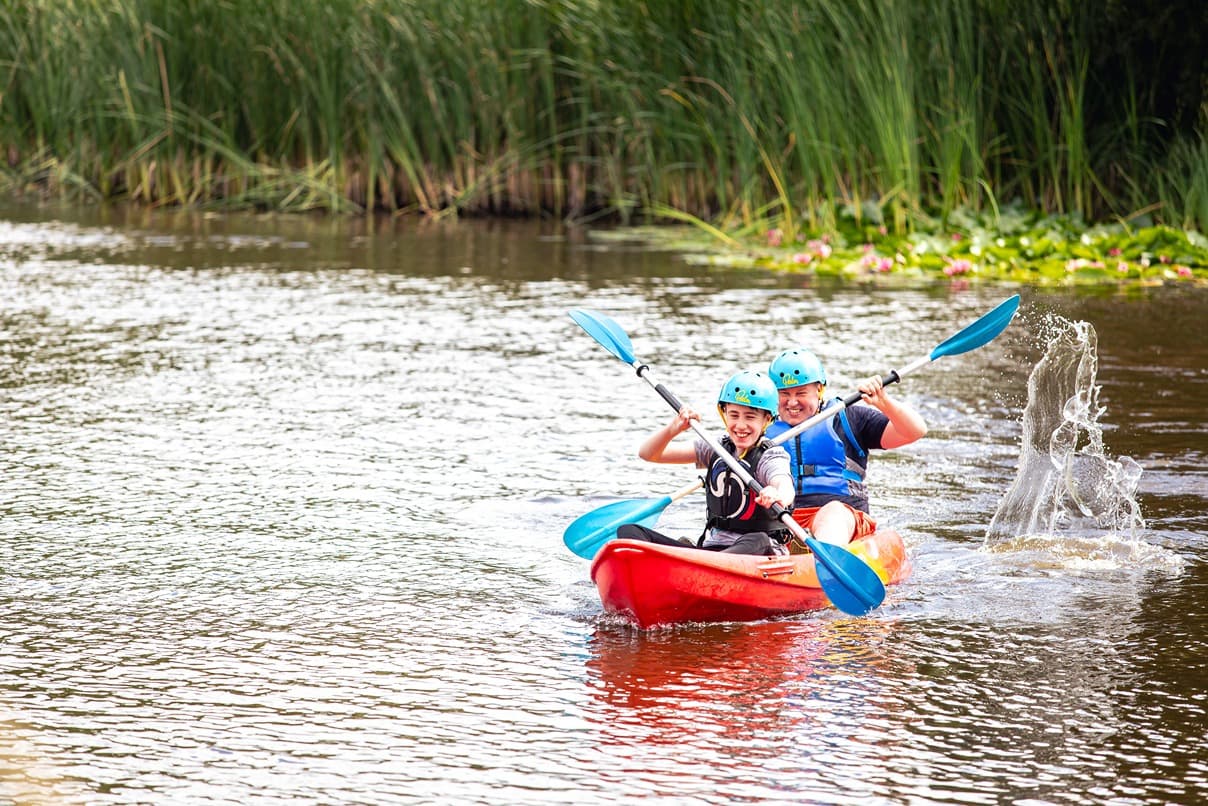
(1069, 500)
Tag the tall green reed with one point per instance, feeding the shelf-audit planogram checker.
(746, 113)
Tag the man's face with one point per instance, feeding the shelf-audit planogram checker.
(799, 403)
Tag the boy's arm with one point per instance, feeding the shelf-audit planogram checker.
(658, 447)
(779, 491)
(779, 487)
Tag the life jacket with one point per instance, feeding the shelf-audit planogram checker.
(820, 461)
(730, 504)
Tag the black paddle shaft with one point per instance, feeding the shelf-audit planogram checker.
(855, 397)
(663, 391)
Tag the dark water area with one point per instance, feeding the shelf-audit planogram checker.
(281, 515)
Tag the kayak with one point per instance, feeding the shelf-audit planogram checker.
(653, 585)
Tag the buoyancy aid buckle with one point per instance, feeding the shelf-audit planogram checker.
(781, 536)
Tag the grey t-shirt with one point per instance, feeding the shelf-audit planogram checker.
(773, 463)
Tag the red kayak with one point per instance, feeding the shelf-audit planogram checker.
(652, 584)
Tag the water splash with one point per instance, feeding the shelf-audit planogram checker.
(1068, 497)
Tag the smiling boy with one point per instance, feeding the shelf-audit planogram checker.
(738, 521)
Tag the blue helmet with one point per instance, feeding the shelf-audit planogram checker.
(749, 388)
(796, 368)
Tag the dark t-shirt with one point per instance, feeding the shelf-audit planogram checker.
(868, 425)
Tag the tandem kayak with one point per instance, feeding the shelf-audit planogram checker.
(653, 585)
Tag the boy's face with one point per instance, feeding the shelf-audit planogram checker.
(745, 425)
(799, 403)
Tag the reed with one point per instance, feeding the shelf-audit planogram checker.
(1182, 183)
(749, 114)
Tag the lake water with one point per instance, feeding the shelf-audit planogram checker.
(282, 503)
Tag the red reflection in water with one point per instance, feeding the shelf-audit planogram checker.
(757, 687)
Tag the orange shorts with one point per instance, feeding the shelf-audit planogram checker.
(864, 524)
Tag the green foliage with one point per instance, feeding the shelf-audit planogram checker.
(1014, 246)
(734, 112)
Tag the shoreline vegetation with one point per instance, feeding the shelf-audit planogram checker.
(1015, 246)
(1027, 140)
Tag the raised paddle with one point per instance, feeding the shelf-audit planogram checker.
(588, 533)
(969, 338)
(849, 582)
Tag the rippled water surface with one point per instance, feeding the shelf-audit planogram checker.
(281, 515)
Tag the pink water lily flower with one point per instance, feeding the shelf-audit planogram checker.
(1083, 263)
(956, 267)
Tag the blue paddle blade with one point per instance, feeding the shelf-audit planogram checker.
(588, 533)
(848, 581)
(980, 332)
(607, 332)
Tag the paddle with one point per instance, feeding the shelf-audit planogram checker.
(969, 338)
(849, 582)
(588, 533)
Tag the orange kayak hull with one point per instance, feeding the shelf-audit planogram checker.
(654, 585)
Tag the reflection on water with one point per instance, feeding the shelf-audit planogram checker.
(281, 505)
(837, 710)
(786, 701)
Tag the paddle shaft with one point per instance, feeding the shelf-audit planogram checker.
(985, 329)
(894, 376)
(685, 491)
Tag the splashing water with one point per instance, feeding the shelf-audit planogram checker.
(1067, 495)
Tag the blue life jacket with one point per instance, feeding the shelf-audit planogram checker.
(820, 460)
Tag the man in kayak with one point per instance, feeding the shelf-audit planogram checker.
(829, 460)
(738, 521)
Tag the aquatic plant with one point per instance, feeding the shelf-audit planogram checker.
(1016, 245)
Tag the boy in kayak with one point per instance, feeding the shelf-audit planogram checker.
(738, 521)
(829, 460)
